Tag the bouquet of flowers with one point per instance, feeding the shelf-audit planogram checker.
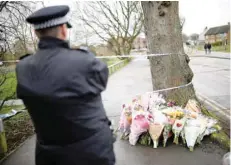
(148, 117)
(203, 121)
(210, 128)
(166, 133)
(182, 135)
(192, 105)
(139, 125)
(155, 130)
(125, 120)
(192, 130)
(145, 98)
(177, 128)
(155, 101)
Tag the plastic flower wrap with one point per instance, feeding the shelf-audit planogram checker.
(159, 117)
(166, 133)
(156, 127)
(193, 105)
(155, 130)
(210, 127)
(177, 128)
(155, 101)
(145, 98)
(125, 120)
(182, 135)
(203, 121)
(137, 103)
(139, 125)
(192, 130)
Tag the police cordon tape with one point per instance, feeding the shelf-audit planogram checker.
(114, 56)
(127, 56)
(171, 88)
(138, 55)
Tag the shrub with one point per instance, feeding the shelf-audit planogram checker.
(218, 43)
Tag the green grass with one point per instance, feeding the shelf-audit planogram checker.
(110, 61)
(221, 49)
(217, 48)
(221, 136)
(9, 86)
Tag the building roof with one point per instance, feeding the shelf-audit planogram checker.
(218, 30)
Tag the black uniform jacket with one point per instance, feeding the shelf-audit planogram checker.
(61, 89)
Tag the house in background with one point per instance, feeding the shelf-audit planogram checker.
(218, 34)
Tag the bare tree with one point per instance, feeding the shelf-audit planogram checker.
(13, 29)
(117, 23)
(13, 25)
(164, 35)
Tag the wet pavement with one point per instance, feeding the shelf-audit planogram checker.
(206, 154)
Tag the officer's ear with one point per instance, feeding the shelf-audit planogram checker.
(63, 30)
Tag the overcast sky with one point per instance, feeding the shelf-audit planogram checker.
(202, 13)
(198, 13)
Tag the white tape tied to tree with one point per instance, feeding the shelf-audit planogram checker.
(115, 56)
(129, 56)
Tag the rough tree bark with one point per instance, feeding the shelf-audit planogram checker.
(164, 35)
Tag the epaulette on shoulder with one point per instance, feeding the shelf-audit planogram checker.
(81, 48)
(24, 56)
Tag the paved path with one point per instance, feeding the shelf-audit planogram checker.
(134, 78)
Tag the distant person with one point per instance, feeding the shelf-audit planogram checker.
(206, 48)
(209, 47)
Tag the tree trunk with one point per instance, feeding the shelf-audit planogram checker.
(163, 33)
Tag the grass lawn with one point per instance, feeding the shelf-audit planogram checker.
(217, 49)
(9, 86)
(221, 49)
(110, 61)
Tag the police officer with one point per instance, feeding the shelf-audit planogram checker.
(61, 88)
